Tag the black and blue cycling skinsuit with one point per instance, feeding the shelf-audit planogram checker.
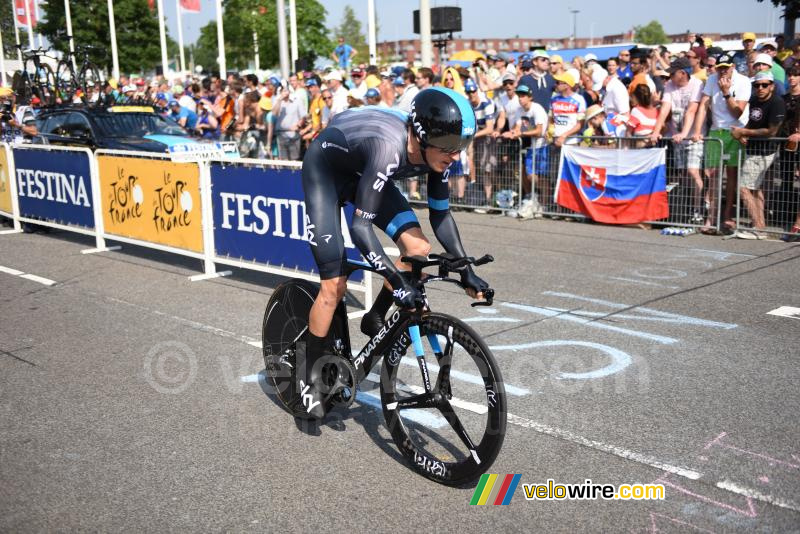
(356, 159)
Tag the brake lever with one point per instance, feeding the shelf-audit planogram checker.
(488, 258)
(488, 295)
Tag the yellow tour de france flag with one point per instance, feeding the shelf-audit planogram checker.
(152, 200)
(5, 183)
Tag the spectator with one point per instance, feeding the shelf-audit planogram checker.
(18, 125)
(357, 82)
(590, 96)
(725, 95)
(790, 157)
(452, 80)
(184, 100)
(625, 73)
(507, 105)
(407, 90)
(536, 76)
(289, 112)
(682, 95)
(790, 61)
(711, 65)
(531, 128)
(483, 146)
(424, 78)
(783, 51)
(338, 92)
(616, 99)
(639, 68)
(566, 111)
(697, 58)
(327, 99)
(767, 112)
(556, 65)
(771, 49)
(250, 83)
(751, 63)
(763, 63)
(343, 54)
(612, 65)
(185, 117)
(740, 57)
(297, 89)
(207, 124)
(374, 98)
(644, 114)
(252, 127)
(315, 110)
(373, 77)
(597, 128)
(354, 99)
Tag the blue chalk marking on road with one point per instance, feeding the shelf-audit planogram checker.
(467, 377)
(619, 359)
(549, 312)
(655, 315)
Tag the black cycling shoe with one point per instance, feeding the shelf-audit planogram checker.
(371, 323)
(310, 400)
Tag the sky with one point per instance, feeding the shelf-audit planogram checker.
(536, 18)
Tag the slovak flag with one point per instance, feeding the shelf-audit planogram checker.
(22, 17)
(614, 186)
(191, 5)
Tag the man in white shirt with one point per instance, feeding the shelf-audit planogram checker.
(616, 99)
(726, 94)
(531, 128)
(507, 104)
(338, 92)
(682, 95)
(408, 90)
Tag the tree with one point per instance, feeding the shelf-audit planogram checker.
(138, 41)
(350, 29)
(651, 34)
(7, 27)
(791, 8)
(242, 17)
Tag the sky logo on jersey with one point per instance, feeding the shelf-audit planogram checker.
(492, 489)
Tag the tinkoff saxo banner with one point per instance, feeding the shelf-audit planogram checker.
(157, 201)
(5, 183)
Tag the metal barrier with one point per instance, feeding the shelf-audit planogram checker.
(768, 190)
(694, 190)
(487, 177)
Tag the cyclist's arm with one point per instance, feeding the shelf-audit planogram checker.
(370, 191)
(444, 226)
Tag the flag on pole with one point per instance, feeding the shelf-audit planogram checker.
(614, 186)
(22, 17)
(151, 4)
(191, 5)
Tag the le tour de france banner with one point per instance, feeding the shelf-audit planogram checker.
(259, 215)
(5, 184)
(614, 186)
(152, 200)
(54, 185)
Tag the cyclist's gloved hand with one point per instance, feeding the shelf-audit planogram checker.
(405, 295)
(472, 280)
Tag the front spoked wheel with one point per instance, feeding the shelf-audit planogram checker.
(453, 433)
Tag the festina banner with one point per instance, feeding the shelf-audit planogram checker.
(613, 186)
(191, 5)
(22, 16)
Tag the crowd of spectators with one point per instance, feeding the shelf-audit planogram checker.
(537, 99)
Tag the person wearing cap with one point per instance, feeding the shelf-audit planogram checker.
(343, 54)
(679, 104)
(531, 127)
(485, 160)
(373, 98)
(697, 58)
(18, 126)
(763, 63)
(767, 112)
(357, 82)
(556, 64)
(333, 81)
(725, 95)
(354, 99)
(566, 111)
(185, 117)
(406, 90)
(315, 110)
(740, 57)
(207, 124)
(184, 99)
(595, 118)
(507, 105)
(771, 49)
(536, 76)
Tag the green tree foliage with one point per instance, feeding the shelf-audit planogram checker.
(791, 7)
(7, 27)
(651, 34)
(138, 42)
(242, 17)
(350, 29)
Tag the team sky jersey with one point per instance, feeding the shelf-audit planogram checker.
(567, 111)
(361, 152)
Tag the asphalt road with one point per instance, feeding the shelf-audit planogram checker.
(130, 397)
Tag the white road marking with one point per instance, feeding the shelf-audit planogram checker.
(28, 276)
(636, 281)
(786, 311)
(755, 494)
(491, 320)
(467, 377)
(619, 359)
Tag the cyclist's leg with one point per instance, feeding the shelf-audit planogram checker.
(398, 221)
(324, 234)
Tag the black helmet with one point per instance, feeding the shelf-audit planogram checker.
(443, 119)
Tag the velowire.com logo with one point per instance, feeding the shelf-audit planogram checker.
(495, 489)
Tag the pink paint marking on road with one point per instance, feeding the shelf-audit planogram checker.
(713, 441)
(654, 528)
(703, 458)
(764, 479)
(750, 512)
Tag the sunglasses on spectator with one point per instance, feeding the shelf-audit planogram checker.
(470, 92)
(511, 82)
(691, 56)
(761, 85)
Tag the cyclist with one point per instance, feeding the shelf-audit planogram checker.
(356, 159)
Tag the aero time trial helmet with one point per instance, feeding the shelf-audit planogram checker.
(443, 119)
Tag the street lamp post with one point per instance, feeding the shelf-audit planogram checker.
(574, 25)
